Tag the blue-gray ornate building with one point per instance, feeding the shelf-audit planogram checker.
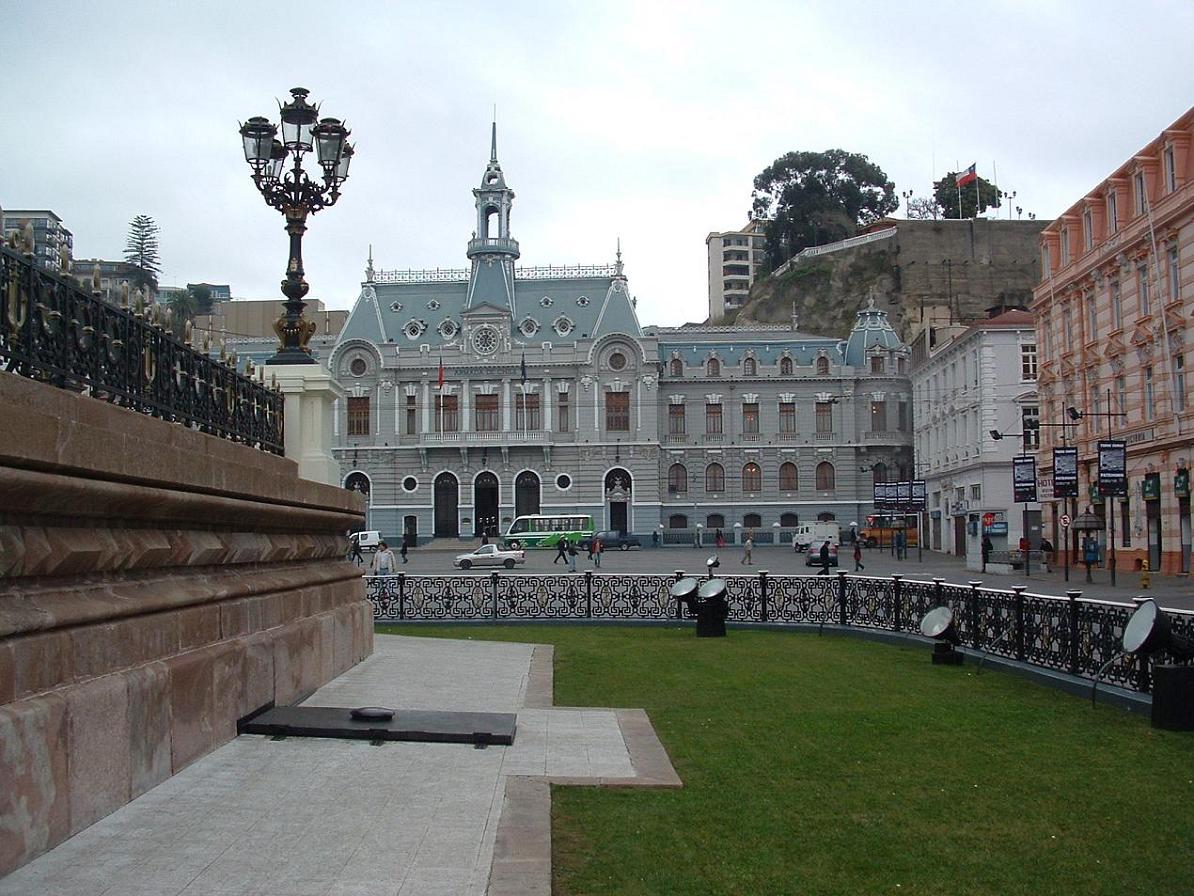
(480, 394)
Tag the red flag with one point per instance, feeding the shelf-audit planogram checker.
(968, 176)
(440, 384)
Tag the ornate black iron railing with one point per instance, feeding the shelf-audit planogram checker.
(54, 332)
(1069, 635)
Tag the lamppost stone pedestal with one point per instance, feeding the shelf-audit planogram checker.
(309, 393)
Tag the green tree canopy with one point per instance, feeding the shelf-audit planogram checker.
(810, 198)
(974, 202)
(141, 251)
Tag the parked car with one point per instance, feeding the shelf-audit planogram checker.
(623, 541)
(814, 555)
(490, 555)
(368, 540)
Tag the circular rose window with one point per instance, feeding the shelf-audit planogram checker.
(485, 341)
(617, 361)
(410, 483)
(358, 367)
(563, 482)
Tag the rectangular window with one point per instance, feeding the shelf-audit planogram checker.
(1067, 325)
(1087, 230)
(1092, 318)
(526, 413)
(713, 419)
(1170, 165)
(1141, 195)
(902, 411)
(617, 411)
(1150, 408)
(976, 493)
(1175, 278)
(358, 416)
(487, 413)
(876, 364)
(1121, 394)
(1146, 305)
(1117, 310)
(676, 422)
(750, 419)
(447, 413)
(824, 417)
(1179, 381)
(1112, 213)
(1124, 527)
(1065, 246)
(1027, 362)
(878, 416)
(787, 416)
(1030, 425)
(412, 426)
(1047, 329)
(1096, 407)
(563, 420)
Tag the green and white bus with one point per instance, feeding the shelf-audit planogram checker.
(546, 530)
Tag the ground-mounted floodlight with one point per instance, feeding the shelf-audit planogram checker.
(712, 563)
(939, 625)
(712, 609)
(1149, 632)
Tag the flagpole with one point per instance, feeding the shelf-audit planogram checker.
(958, 187)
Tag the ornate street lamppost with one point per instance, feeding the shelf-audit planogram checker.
(278, 173)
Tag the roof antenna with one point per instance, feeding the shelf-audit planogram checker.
(493, 143)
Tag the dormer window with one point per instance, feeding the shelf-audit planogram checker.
(749, 367)
(395, 306)
(785, 366)
(677, 367)
(876, 364)
(529, 327)
(713, 367)
(822, 366)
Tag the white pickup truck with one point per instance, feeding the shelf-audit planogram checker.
(490, 555)
(810, 534)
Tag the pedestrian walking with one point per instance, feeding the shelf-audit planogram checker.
(383, 561)
(561, 551)
(405, 546)
(858, 567)
(484, 536)
(1048, 553)
(823, 556)
(901, 543)
(572, 552)
(747, 547)
(986, 550)
(598, 547)
(719, 540)
(355, 554)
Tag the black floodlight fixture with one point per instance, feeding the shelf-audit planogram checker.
(1074, 414)
(712, 608)
(939, 625)
(996, 435)
(1148, 631)
(712, 563)
(684, 591)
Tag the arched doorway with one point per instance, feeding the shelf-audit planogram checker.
(447, 501)
(617, 498)
(485, 504)
(526, 493)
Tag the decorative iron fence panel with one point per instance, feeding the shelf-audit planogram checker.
(1076, 636)
(54, 332)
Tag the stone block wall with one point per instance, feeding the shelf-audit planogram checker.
(156, 585)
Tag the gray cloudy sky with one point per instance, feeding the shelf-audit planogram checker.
(645, 121)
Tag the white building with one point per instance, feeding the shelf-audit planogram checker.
(969, 385)
(736, 258)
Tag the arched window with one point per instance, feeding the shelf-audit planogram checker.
(826, 517)
(825, 478)
(752, 478)
(789, 479)
(715, 521)
(789, 520)
(749, 367)
(677, 479)
(715, 478)
(822, 366)
(677, 521)
(713, 368)
(785, 366)
(752, 521)
(677, 367)
(880, 472)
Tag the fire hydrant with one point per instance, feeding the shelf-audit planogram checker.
(1144, 577)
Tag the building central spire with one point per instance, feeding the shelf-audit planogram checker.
(493, 143)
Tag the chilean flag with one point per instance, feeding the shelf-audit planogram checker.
(440, 385)
(968, 176)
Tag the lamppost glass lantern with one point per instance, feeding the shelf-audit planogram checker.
(298, 121)
(258, 135)
(329, 142)
(342, 166)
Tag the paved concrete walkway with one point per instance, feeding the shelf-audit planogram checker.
(313, 817)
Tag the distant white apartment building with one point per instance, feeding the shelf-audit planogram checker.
(968, 384)
(735, 259)
(50, 238)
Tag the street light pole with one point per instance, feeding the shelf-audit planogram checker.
(296, 195)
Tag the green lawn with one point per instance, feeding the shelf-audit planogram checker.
(831, 765)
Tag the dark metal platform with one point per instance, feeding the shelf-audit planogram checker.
(408, 724)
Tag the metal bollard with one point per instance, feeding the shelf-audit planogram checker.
(1145, 578)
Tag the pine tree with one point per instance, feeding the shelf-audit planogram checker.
(141, 251)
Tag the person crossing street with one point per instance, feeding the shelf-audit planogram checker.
(823, 556)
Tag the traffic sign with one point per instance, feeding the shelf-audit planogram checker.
(988, 519)
(1065, 521)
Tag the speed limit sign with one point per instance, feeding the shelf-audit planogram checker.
(1065, 521)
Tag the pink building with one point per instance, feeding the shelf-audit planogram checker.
(1115, 329)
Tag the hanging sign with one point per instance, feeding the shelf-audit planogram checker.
(1113, 468)
(1024, 479)
(1065, 472)
(919, 494)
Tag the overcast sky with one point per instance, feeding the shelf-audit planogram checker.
(646, 121)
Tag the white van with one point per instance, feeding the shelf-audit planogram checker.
(815, 533)
(368, 540)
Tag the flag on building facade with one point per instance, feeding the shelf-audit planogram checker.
(968, 176)
(440, 384)
(524, 369)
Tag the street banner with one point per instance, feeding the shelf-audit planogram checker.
(886, 495)
(904, 494)
(1024, 479)
(877, 500)
(1065, 472)
(1113, 468)
(919, 494)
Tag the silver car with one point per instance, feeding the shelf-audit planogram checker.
(490, 555)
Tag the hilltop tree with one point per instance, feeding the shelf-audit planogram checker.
(922, 208)
(974, 203)
(185, 303)
(810, 198)
(141, 251)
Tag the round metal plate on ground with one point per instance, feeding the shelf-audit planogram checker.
(372, 714)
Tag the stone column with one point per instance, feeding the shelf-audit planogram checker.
(426, 406)
(547, 400)
(466, 403)
(310, 395)
(505, 405)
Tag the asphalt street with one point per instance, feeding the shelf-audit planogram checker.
(1169, 591)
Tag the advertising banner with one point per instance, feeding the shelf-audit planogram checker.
(919, 494)
(904, 494)
(1113, 468)
(1065, 472)
(1024, 479)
